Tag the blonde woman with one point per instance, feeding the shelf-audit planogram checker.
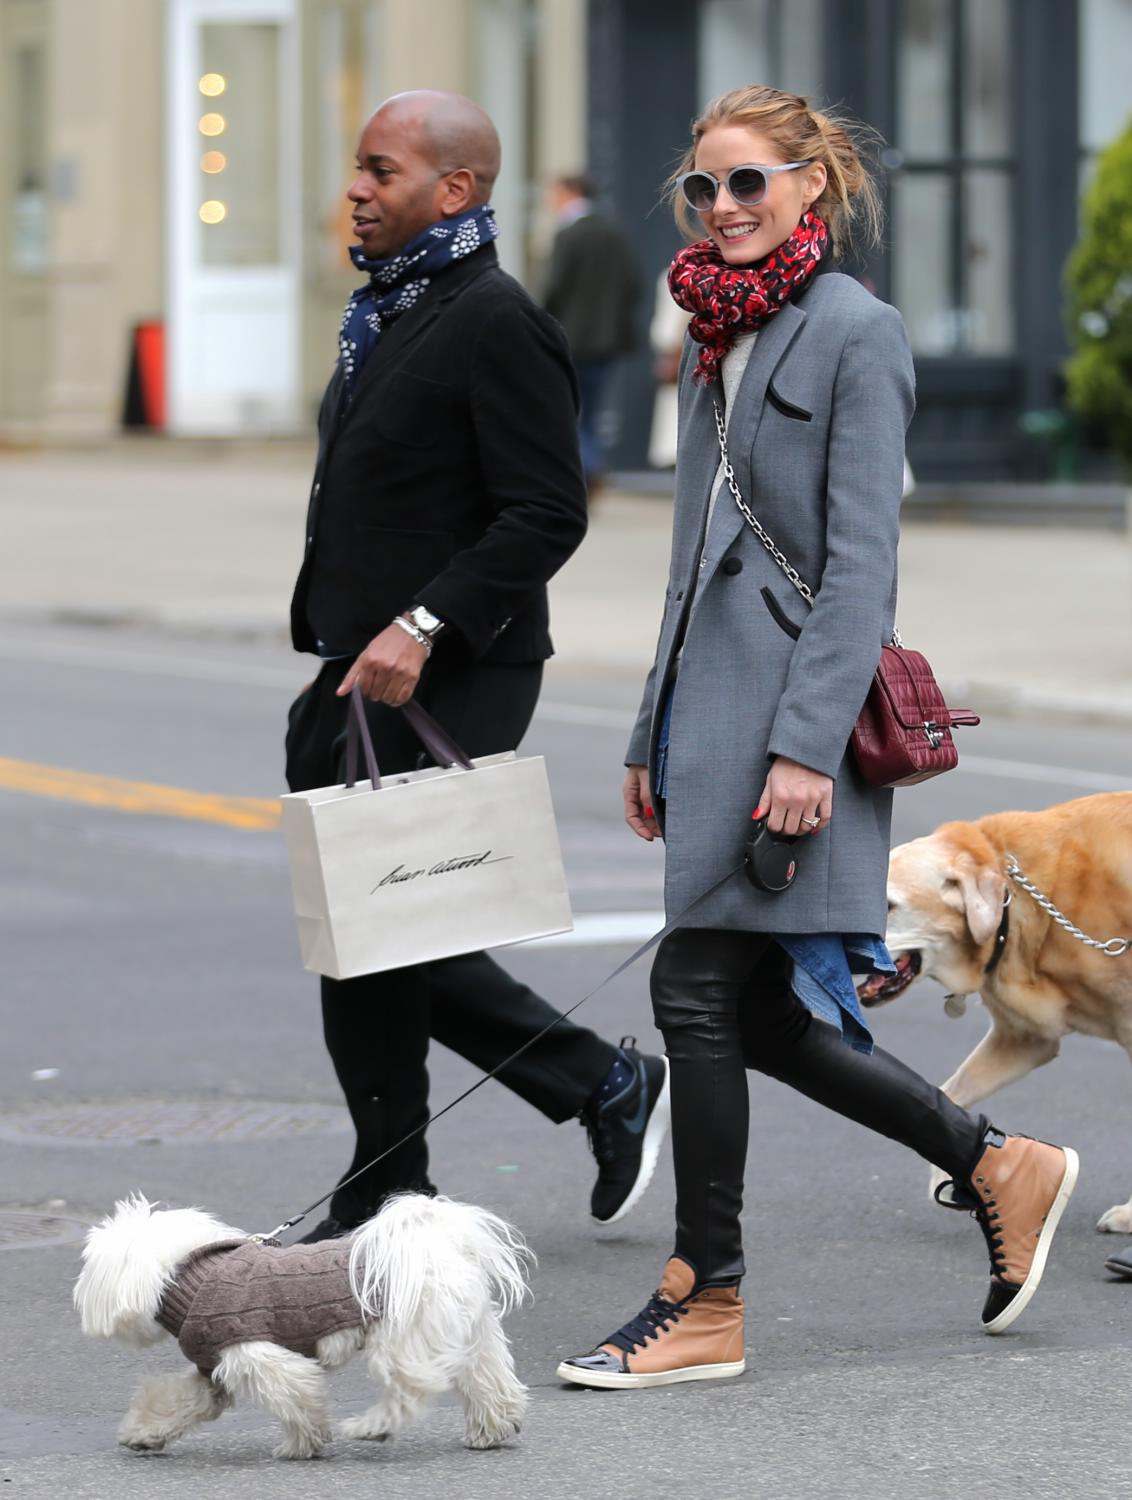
(749, 709)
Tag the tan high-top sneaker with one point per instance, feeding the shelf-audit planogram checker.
(681, 1334)
(1019, 1188)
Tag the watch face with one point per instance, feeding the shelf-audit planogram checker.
(424, 619)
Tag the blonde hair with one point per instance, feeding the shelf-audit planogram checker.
(849, 203)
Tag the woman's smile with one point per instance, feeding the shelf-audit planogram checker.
(746, 233)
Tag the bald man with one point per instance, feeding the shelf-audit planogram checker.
(447, 491)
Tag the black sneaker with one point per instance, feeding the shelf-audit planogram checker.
(626, 1134)
(329, 1228)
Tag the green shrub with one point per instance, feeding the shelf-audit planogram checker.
(1099, 285)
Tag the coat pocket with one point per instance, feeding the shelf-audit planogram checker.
(413, 411)
(779, 615)
(395, 564)
(787, 408)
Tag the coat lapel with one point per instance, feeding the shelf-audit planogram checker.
(396, 338)
(410, 325)
(743, 429)
(696, 462)
(699, 449)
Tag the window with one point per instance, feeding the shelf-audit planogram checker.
(237, 103)
(342, 110)
(504, 36)
(759, 41)
(28, 182)
(1106, 85)
(953, 195)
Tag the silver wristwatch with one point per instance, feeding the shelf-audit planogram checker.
(425, 621)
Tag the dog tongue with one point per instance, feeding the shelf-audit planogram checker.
(872, 986)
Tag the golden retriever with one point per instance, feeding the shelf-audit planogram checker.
(957, 916)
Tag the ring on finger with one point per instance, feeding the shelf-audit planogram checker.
(812, 822)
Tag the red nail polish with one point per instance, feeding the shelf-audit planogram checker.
(648, 812)
(758, 812)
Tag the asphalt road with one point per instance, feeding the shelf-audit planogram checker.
(150, 968)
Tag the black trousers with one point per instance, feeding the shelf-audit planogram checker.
(724, 1004)
(377, 1027)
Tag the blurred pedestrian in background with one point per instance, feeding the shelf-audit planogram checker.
(592, 288)
(806, 381)
(666, 339)
(447, 490)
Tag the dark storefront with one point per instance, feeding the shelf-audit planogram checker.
(991, 110)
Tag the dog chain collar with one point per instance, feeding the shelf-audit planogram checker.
(1112, 947)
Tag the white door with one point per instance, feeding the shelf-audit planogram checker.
(233, 216)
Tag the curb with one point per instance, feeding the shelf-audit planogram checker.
(1014, 699)
(983, 695)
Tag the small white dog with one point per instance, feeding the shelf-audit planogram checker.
(421, 1289)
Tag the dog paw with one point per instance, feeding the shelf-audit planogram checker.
(139, 1442)
(364, 1429)
(1118, 1220)
(298, 1447)
(134, 1435)
(491, 1434)
(303, 1444)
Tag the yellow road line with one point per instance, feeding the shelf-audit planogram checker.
(137, 796)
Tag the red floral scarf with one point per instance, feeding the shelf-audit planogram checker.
(726, 301)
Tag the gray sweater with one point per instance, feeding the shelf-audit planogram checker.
(238, 1290)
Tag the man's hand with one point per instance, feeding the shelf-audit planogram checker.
(389, 669)
(638, 804)
(796, 799)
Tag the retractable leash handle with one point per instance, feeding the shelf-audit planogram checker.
(771, 859)
(433, 736)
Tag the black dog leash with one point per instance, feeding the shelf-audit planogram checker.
(657, 937)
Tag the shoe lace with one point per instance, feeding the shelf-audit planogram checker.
(600, 1136)
(600, 1132)
(983, 1208)
(650, 1323)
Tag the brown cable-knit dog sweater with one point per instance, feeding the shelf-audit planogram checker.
(237, 1290)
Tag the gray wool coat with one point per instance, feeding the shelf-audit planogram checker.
(816, 437)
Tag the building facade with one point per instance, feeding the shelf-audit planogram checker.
(182, 163)
(991, 112)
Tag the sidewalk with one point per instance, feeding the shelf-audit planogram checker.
(208, 540)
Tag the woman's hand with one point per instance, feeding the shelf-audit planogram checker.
(637, 797)
(794, 796)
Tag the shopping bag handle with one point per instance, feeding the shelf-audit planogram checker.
(436, 740)
(357, 729)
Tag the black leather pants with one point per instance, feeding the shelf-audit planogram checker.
(723, 1003)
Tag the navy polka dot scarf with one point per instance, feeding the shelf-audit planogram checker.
(398, 282)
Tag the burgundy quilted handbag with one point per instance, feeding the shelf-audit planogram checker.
(903, 732)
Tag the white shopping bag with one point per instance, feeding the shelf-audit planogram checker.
(431, 864)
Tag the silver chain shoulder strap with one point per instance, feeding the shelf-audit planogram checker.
(752, 520)
(756, 525)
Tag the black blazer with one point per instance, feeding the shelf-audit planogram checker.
(451, 480)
